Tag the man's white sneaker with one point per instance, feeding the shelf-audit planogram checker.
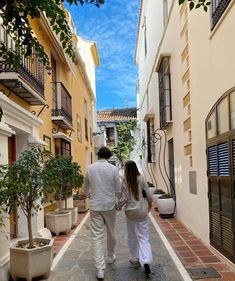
(134, 262)
(100, 274)
(111, 258)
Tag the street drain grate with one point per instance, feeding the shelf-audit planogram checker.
(133, 274)
(203, 273)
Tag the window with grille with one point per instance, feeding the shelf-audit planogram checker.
(164, 83)
(150, 141)
(217, 9)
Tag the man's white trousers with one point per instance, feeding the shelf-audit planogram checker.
(100, 220)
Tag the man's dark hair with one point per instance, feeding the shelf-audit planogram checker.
(104, 152)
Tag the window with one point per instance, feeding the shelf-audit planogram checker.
(232, 110)
(65, 148)
(150, 141)
(86, 119)
(164, 82)
(217, 9)
(90, 136)
(62, 147)
(222, 118)
(79, 130)
(110, 136)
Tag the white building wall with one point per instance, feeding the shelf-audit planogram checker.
(211, 64)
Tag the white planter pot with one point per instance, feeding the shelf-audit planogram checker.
(82, 205)
(58, 223)
(166, 206)
(151, 190)
(30, 263)
(155, 199)
(74, 215)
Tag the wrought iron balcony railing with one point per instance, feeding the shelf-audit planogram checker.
(61, 106)
(29, 74)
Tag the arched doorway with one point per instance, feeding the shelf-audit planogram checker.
(220, 132)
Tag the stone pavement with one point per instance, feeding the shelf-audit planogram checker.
(77, 262)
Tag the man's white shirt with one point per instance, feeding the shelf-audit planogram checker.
(102, 183)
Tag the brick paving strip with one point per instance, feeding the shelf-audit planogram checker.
(191, 251)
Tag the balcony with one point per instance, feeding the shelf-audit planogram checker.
(27, 80)
(61, 106)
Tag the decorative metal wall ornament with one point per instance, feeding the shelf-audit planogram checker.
(41, 110)
(56, 130)
(71, 132)
(156, 137)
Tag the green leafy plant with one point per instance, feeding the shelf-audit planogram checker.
(165, 196)
(159, 191)
(195, 4)
(21, 184)
(61, 176)
(125, 141)
(16, 17)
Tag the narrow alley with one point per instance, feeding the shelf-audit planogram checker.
(77, 262)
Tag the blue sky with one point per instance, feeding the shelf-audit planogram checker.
(113, 27)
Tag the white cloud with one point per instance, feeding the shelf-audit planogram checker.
(113, 27)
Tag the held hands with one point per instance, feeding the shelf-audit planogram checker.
(118, 208)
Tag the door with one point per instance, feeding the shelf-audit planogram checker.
(13, 214)
(221, 188)
(171, 165)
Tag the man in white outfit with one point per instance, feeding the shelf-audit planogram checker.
(103, 185)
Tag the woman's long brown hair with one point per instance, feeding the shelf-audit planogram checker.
(131, 173)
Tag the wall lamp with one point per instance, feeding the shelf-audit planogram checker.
(102, 128)
(49, 70)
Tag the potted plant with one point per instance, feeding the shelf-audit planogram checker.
(166, 205)
(157, 193)
(152, 188)
(61, 177)
(21, 185)
(81, 202)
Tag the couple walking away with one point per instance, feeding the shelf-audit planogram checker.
(108, 194)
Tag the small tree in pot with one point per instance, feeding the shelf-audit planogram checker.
(61, 176)
(21, 185)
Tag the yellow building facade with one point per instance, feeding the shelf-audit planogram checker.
(53, 108)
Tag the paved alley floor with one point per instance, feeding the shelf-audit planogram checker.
(77, 262)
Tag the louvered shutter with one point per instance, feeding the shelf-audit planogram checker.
(223, 159)
(212, 161)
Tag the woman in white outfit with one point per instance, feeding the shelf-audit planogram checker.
(137, 205)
